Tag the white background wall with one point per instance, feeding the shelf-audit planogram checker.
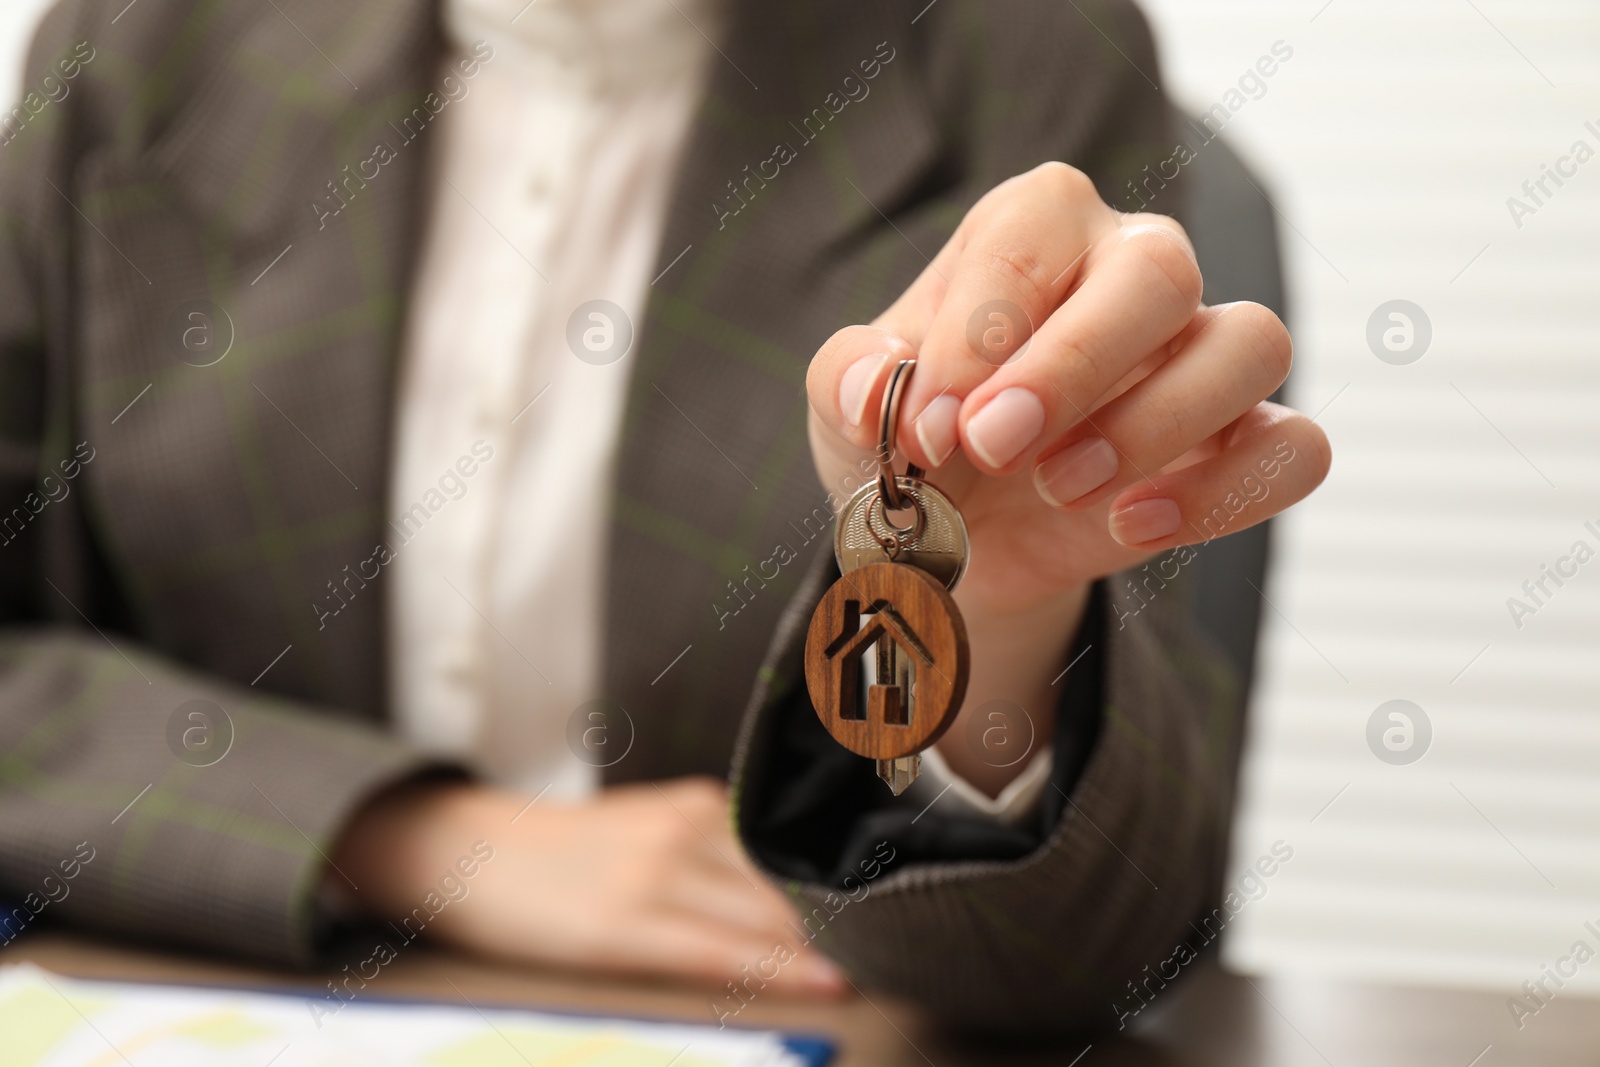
(1392, 139)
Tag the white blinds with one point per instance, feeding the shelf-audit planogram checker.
(1393, 138)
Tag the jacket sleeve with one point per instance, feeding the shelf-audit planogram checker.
(136, 796)
(144, 800)
(1066, 926)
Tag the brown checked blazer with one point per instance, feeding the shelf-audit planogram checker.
(171, 532)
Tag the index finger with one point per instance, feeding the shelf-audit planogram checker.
(1019, 254)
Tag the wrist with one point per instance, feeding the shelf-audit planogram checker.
(1017, 656)
(388, 849)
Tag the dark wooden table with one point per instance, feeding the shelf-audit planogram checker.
(1209, 1018)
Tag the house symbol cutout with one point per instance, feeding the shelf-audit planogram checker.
(885, 703)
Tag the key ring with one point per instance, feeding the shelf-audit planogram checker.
(888, 425)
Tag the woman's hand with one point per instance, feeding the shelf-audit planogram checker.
(1080, 406)
(642, 880)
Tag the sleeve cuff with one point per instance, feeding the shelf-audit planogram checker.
(1017, 803)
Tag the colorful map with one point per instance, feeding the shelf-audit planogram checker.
(50, 1021)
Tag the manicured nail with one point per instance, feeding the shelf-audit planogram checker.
(855, 387)
(1075, 471)
(1005, 426)
(1148, 520)
(936, 428)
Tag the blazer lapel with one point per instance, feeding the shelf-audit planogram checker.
(813, 130)
(261, 133)
(246, 487)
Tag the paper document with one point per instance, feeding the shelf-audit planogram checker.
(50, 1021)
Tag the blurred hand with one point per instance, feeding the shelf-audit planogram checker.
(1080, 406)
(642, 879)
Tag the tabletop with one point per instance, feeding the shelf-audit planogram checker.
(1208, 1017)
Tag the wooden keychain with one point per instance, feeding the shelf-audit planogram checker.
(886, 653)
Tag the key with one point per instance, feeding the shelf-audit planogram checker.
(938, 543)
(930, 536)
(906, 683)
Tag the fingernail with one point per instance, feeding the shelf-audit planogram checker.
(936, 428)
(1148, 520)
(855, 387)
(1075, 471)
(1005, 426)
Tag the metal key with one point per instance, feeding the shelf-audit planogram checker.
(937, 544)
(934, 540)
